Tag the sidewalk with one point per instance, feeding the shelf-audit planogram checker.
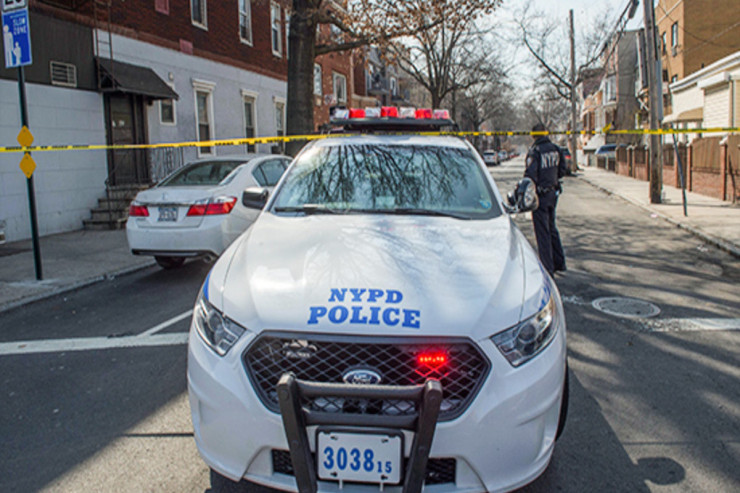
(77, 259)
(711, 219)
(69, 261)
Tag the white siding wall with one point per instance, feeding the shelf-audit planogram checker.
(228, 110)
(687, 99)
(717, 106)
(67, 183)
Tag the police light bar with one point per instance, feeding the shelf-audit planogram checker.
(391, 112)
(390, 119)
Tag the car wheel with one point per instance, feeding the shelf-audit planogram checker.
(563, 406)
(170, 262)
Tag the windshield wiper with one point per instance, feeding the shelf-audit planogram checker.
(308, 209)
(415, 211)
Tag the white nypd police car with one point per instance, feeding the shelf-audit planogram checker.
(383, 325)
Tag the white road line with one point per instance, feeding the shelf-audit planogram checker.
(90, 343)
(691, 324)
(166, 323)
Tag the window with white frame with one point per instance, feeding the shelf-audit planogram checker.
(610, 88)
(663, 43)
(250, 125)
(394, 86)
(279, 123)
(340, 88)
(287, 35)
(276, 28)
(245, 21)
(674, 35)
(317, 89)
(167, 115)
(204, 120)
(198, 12)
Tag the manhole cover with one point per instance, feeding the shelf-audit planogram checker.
(626, 307)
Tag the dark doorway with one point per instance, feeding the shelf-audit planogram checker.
(125, 124)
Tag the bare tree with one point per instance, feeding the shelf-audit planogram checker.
(356, 23)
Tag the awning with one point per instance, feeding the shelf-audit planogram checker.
(133, 79)
(693, 115)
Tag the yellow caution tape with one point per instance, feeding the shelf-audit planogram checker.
(291, 138)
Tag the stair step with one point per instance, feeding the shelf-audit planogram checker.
(115, 204)
(125, 192)
(106, 214)
(102, 224)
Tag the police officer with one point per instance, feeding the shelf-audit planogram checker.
(545, 166)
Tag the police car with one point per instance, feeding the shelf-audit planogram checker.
(382, 326)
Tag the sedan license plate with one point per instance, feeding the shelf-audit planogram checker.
(362, 457)
(167, 214)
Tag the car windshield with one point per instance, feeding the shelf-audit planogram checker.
(388, 179)
(202, 173)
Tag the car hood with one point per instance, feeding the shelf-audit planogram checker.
(384, 275)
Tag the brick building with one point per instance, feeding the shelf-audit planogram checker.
(137, 71)
(693, 34)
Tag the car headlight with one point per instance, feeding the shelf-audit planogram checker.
(525, 340)
(218, 331)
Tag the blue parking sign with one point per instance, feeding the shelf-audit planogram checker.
(16, 38)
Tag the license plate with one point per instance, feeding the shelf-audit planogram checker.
(362, 457)
(167, 214)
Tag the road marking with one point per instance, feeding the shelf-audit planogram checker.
(146, 338)
(90, 343)
(166, 323)
(691, 324)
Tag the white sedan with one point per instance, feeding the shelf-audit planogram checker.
(200, 209)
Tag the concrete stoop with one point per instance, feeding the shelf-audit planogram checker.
(112, 210)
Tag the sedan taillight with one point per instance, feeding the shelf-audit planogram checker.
(220, 205)
(137, 210)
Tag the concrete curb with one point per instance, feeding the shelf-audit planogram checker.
(74, 286)
(726, 246)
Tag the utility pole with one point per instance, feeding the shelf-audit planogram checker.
(573, 95)
(655, 90)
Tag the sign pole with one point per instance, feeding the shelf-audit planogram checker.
(29, 181)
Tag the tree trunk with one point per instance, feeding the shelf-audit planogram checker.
(302, 46)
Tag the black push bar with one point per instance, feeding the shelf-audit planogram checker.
(292, 392)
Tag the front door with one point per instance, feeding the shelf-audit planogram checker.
(125, 124)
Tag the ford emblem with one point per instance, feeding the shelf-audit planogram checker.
(361, 377)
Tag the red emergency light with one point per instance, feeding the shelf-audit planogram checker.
(356, 113)
(423, 113)
(431, 358)
(389, 111)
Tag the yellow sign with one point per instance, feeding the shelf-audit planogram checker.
(25, 138)
(28, 165)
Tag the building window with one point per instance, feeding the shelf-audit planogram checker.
(204, 114)
(674, 35)
(340, 88)
(287, 35)
(277, 32)
(279, 124)
(167, 115)
(250, 125)
(610, 88)
(674, 79)
(198, 13)
(317, 89)
(162, 6)
(394, 87)
(663, 43)
(245, 21)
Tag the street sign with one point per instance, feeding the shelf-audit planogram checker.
(25, 137)
(16, 38)
(9, 5)
(27, 165)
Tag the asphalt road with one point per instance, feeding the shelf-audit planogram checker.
(96, 401)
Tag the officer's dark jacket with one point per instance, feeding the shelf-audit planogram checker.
(545, 164)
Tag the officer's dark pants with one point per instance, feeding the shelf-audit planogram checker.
(548, 238)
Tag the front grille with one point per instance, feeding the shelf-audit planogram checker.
(322, 359)
(439, 471)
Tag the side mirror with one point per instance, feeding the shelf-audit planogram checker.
(523, 198)
(255, 197)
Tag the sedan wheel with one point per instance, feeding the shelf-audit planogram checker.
(170, 262)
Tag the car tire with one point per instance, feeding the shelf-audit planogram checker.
(563, 405)
(170, 262)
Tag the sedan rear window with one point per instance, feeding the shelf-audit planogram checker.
(388, 179)
(203, 173)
